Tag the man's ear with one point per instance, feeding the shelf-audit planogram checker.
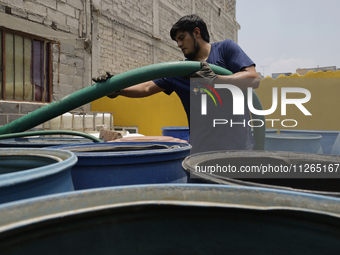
(197, 33)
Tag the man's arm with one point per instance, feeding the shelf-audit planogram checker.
(141, 90)
(243, 79)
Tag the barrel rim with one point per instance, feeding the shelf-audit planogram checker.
(41, 141)
(310, 131)
(242, 153)
(78, 202)
(184, 147)
(195, 159)
(174, 128)
(287, 136)
(68, 159)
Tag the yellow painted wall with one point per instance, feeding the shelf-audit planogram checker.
(161, 110)
(150, 114)
(324, 104)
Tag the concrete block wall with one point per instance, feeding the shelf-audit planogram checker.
(92, 36)
(65, 23)
(10, 111)
(123, 43)
(132, 34)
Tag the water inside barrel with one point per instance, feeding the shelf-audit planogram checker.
(16, 163)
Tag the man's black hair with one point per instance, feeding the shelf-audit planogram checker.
(187, 24)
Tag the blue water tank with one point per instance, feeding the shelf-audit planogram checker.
(31, 172)
(309, 143)
(172, 219)
(336, 146)
(285, 170)
(327, 140)
(127, 163)
(177, 132)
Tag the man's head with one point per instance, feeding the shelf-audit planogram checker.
(188, 24)
(189, 32)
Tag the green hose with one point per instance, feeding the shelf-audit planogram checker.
(51, 132)
(115, 83)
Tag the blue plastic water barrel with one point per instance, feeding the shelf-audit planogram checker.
(336, 146)
(271, 130)
(41, 142)
(30, 172)
(308, 143)
(268, 131)
(127, 163)
(172, 219)
(327, 140)
(177, 132)
(295, 171)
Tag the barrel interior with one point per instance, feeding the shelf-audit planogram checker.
(16, 163)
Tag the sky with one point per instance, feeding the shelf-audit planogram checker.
(281, 36)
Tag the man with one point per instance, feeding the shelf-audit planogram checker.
(192, 37)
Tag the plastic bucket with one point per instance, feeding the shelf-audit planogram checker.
(41, 142)
(28, 172)
(301, 175)
(327, 140)
(308, 143)
(172, 219)
(128, 163)
(177, 132)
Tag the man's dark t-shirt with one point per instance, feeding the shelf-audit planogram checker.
(229, 55)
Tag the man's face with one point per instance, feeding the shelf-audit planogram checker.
(188, 44)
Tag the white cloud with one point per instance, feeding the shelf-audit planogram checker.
(289, 65)
(268, 60)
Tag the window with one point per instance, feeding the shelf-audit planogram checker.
(26, 69)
